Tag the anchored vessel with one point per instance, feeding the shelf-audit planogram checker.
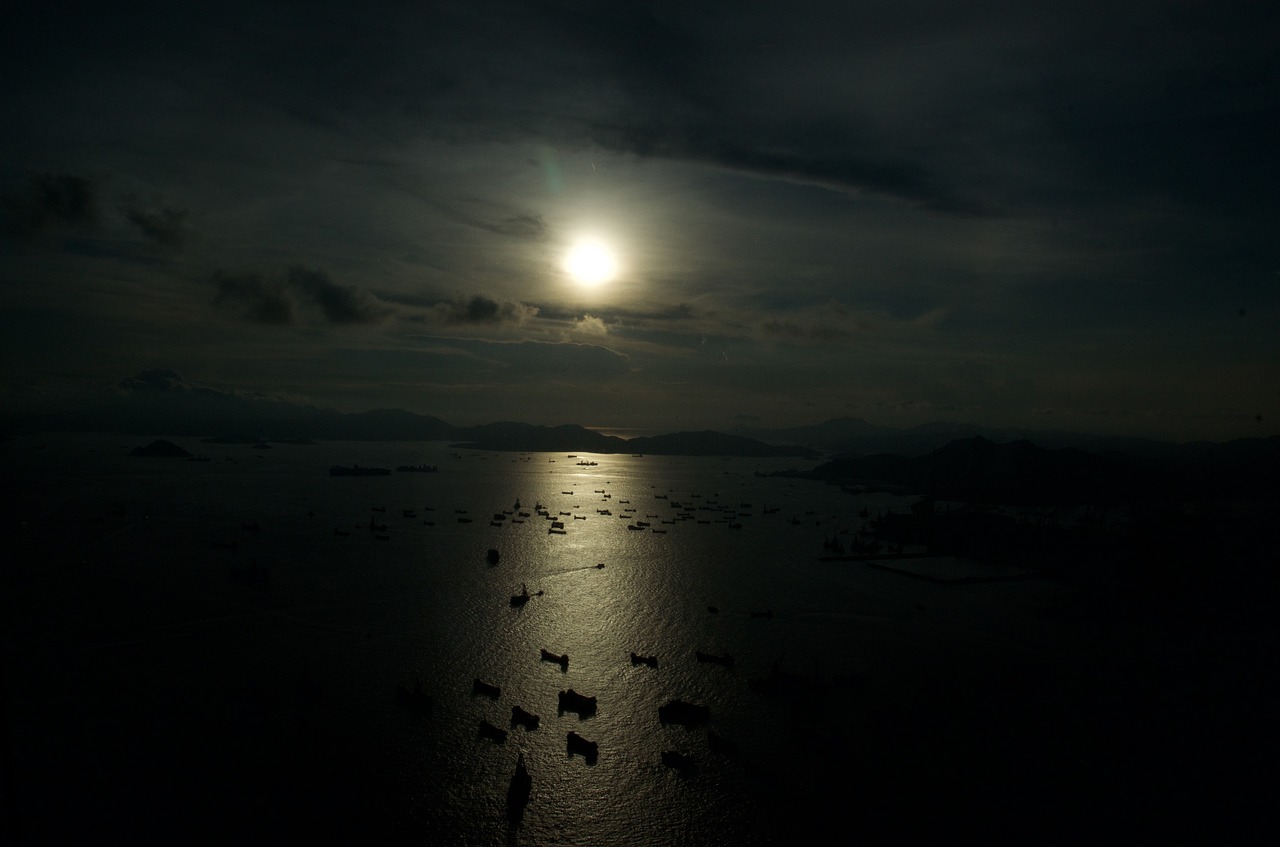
(519, 790)
(572, 701)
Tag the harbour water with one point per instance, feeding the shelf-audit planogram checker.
(154, 697)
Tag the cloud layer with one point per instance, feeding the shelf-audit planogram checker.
(895, 207)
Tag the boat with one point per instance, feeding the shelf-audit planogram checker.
(637, 659)
(562, 661)
(523, 597)
(357, 470)
(572, 701)
(714, 659)
(588, 750)
(493, 555)
(526, 719)
(479, 686)
(684, 713)
(488, 730)
(677, 761)
(519, 790)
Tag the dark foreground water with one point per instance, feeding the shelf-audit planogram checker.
(153, 697)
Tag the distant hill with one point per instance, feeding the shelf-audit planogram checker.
(709, 443)
(1019, 472)
(161, 402)
(858, 437)
(521, 436)
(517, 436)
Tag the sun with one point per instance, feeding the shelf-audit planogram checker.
(590, 263)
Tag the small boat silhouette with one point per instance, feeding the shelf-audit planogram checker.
(526, 719)
(562, 661)
(588, 750)
(479, 686)
(488, 730)
(572, 701)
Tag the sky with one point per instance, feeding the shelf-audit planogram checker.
(1052, 215)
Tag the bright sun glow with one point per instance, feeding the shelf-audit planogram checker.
(590, 263)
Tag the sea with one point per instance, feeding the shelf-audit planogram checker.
(217, 650)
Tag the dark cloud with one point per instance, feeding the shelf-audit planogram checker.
(165, 228)
(340, 304)
(480, 309)
(253, 298)
(50, 203)
(303, 292)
